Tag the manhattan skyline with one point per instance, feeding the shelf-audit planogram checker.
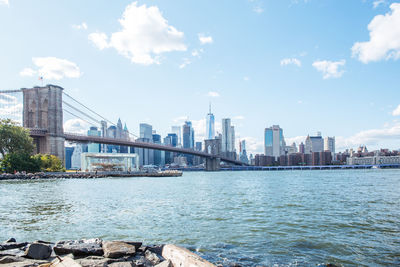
(259, 63)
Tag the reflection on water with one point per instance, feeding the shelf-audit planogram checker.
(283, 218)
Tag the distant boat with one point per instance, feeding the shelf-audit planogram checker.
(376, 167)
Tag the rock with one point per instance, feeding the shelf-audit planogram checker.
(134, 243)
(117, 249)
(93, 261)
(183, 257)
(64, 262)
(166, 263)
(11, 240)
(156, 249)
(152, 257)
(12, 252)
(122, 264)
(38, 251)
(12, 245)
(84, 247)
(10, 259)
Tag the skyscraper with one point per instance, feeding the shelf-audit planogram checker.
(146, 156)
(210, 128)
(274, 142)
(178, 131)
(329, 144)
(314, 144)
(226, 135)
(188, 135)
(233, 146)
(93, 147)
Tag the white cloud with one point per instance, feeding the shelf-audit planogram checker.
(253, 145)
(384, 43)
(56, 68)
(4, 2)
(258, 9)
(197, 52)
(330, 69)
(246, 78)
(296, 139)
(386, 137)
(27, 72)
(239, 117)
(185, 62)
(180, 119)
(213, 94)
(82, 26)
(99, 39)
(378, 3)
(396, 112)
(291, 61)
(145, 34)
(76, 126)
(205, 39)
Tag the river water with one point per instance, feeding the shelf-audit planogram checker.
(281, 218)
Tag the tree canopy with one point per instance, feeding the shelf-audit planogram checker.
(14, 138)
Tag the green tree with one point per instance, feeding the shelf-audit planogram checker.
(20, 162)
(14, 138)
(49, 163)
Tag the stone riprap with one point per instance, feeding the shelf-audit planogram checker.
(84, 175)
(96, 253)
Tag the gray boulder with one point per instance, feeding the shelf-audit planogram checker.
(166, 263)
(38, 251)
(84, 247)
(118, 249)
(152, 257)
(12, 252)
(11, 240)
(93, 261)
(122, 264)
(12, 245)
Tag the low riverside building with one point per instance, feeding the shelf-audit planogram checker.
(376, 160)
(109, 162)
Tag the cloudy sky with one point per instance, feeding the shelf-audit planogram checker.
(308, 65)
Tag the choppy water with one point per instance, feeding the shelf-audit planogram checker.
(297, 218)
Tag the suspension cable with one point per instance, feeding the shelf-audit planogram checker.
(90, 123)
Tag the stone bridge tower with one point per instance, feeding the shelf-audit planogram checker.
(213, 146)
(43, 113)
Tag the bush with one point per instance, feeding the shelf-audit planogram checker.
(20, 162)
(49, 163)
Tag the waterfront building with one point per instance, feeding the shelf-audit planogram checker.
(263, 160)
(93, 147)
(329, 144)
(178, 131)
(375, 160)
(109, 162)
(188, 135)
(76, 157)
(210, 126)
(68, 155)
(314, 144)
(170, 140)
(274, 142)
(291, 149)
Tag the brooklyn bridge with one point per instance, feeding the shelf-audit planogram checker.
(43, 111)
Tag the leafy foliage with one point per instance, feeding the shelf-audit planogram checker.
(14, 139)
(49, 163)
(20, 162)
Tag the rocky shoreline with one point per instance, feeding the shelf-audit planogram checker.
(84, 175)
(96, 253)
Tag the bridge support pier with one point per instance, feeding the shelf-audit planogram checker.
(43, 111)
(213, 146)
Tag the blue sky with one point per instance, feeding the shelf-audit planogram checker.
(317, 65)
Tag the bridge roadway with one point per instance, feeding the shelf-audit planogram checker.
(119, 142)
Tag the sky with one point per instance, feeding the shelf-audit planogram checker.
(331, 66)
